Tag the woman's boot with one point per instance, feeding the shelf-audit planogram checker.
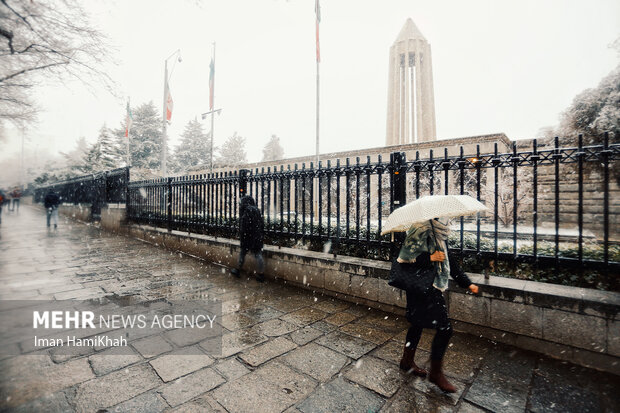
(408, 362)
(436, 376)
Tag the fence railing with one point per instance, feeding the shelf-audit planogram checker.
(95, 189)
(553, 206)
(549, 205)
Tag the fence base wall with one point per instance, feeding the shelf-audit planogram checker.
(81, 212)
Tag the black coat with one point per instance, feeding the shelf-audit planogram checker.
(430, 311)
(51, 200)
(250, 225)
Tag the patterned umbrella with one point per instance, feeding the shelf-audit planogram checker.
(429, 207)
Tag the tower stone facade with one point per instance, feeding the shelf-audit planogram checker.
(411, 101)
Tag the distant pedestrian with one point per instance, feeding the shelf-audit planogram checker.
(7, 200)
(16, 194)
(251, 236)
(51, 202)
(2, 199)
(425, 247)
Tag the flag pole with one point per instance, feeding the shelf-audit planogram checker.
(164, 152)
(317, 113)
(212, 91)
(128, 131)
(318, 61)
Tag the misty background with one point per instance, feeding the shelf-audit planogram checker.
(508, 67)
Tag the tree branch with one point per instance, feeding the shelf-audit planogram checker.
(17, 14)
(9, 36)
(21, 72)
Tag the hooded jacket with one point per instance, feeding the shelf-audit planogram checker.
(51, 200)
(250, 225)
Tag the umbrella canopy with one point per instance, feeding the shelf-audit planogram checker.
(429, 207)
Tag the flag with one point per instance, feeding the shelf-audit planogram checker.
(317, 10)
(211, 83)
(169, 103)
(128, 120)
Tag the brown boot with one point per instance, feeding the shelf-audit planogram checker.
(407, 363)
(438, 378)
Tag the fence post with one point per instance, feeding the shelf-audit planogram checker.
(243, 182)
(127, 193)
(398, 168)
(169, 202)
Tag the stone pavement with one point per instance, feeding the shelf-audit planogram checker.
(284, 349)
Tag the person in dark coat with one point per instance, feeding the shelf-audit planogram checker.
(2, 200)
(426, 247)
(51, 202)
(251, 235)
(16, 194)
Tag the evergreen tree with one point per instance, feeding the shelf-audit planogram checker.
(91, 162)
(593, 111)
(194, 149)
(103, 155)
(232, 152)
(113, 150)
(145, 136)
(273, 150)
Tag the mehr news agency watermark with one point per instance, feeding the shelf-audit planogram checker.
(68, 327)
(87, 319)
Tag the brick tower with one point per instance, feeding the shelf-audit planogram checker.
(411, 101)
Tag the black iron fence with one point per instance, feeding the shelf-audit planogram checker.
(550, 207)
(96, 189)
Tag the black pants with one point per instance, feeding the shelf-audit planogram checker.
(440, 342)
(259, 260)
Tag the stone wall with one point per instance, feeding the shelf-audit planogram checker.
(81, 212)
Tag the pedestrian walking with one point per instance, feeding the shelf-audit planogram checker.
(422, 269)
(7, 200)
(426, 249)
(51, 202)
(251, 236)
(2, 199)
(16, 194)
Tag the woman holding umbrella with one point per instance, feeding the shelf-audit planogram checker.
(425, 247)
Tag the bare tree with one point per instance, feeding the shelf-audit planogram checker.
(46, 41)
(506, 202)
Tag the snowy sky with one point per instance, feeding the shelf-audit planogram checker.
(498, 66)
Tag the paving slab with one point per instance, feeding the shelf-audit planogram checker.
(179, 363)
(316, 361)
(149, 402)
(231, 368)
(348, 345)
(275, 328)
(305, 335)
(112, 359)
(376, 374)
(341, 396)
(152, 346)
(265, 352)
(408, 400)
(503, 382)
(190, 386)
(115, 388)
(273, 388)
